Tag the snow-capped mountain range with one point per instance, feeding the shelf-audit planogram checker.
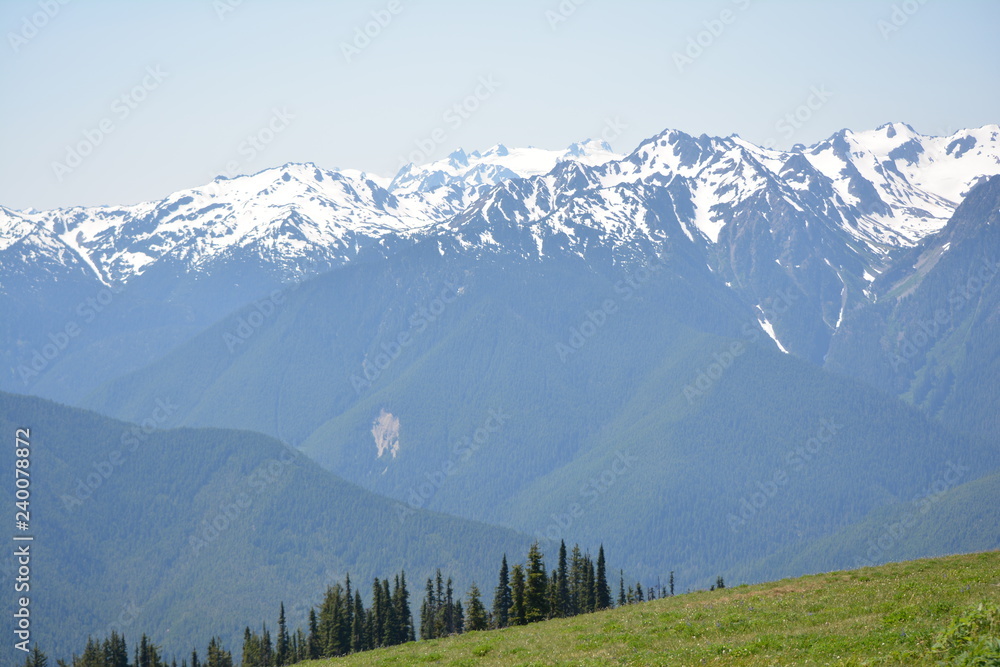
(279, 216)
(876, 191)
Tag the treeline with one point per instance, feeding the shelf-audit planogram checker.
(529, 592)
(526, 593)
(341, 624)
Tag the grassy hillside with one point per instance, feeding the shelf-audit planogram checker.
(888, 615)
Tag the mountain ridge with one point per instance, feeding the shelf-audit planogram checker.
(298, 210)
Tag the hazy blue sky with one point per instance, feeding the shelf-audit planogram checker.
(225, 70)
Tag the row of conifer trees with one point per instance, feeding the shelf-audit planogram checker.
(342, 624)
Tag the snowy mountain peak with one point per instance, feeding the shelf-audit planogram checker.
(498, 150)
(675, 152)
(892, 130)
(460, 170)
(589, 147)
(888, 188)
(459, 158)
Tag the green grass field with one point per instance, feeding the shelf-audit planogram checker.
(923, 612)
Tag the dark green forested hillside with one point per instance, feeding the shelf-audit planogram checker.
(645, 407)
(185, 534)
(946, 517)
(932, 336)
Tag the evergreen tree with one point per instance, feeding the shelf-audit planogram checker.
(535, 588)
(301, 646)
(348, 615)
(449, 610)
(212, 656)
(315, 648)
(377, 631)
(477, 613)
(148, 654)
(638, 592)
(720, 582)
(602, 591)
(370, 638)
(115, 651)
(251, 650)
(401, 603)
(194, 658)
(562, 584)
(459, 617)
(359, 639)
(501, 598)
(344, 615)
(218, 656)
(91, 655)
(281, 657)
(266, 647)
(330, 613)
(517, 609)
(590, 586)
(141, 656)
(428, 612)
(440, 624)
(577, 582)
(390, 635)
(552, 594)
(671, 583)
(36, 658)
(621, 588)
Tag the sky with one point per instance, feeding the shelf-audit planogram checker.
(116, 102)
